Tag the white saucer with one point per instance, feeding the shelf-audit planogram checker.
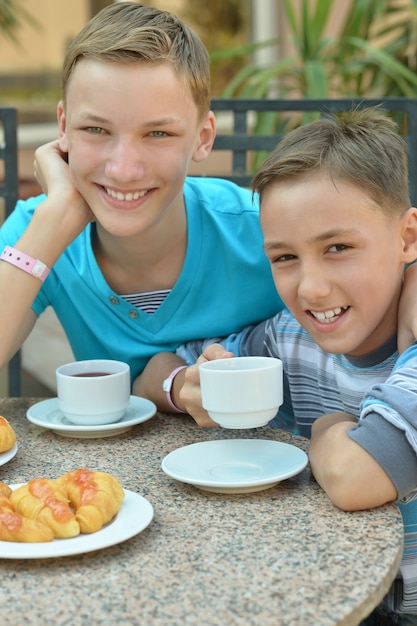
(135, 515)
(48, 415)
(235, 465)
(5, 457)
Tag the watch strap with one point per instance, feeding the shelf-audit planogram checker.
(167, 386)
(23, 261)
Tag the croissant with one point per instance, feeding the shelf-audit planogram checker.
(7, 435)
(95, 496)
(46, 501)
(5, 491)
(15, 527)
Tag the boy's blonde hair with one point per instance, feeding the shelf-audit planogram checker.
(361, 146)
(128, 32)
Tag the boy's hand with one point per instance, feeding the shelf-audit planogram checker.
(190, 392)
(53, 174)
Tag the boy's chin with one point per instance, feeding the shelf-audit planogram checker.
(335, 346)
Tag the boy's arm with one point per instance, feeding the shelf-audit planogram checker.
(185, 389)
(350, 476)
(54, 225)
(149, 383)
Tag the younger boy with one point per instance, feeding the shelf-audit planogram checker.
(338, 232)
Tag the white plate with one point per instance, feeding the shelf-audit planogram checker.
(234, 465)
(135, 515)
(5, 457)
(48, 415)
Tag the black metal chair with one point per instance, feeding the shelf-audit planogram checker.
(242, 140)
(9, 188)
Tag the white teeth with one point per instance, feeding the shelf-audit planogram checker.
(128, 197)
(328, 316)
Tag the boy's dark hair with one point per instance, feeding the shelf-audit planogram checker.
(361, 146)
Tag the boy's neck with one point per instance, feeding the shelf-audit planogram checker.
(149, 262)
(380, 354)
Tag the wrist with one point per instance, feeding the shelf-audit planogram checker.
(44, 238)
(59, 221)
(168, 387)
(29, 265)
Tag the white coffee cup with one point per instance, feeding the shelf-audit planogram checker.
(242, 392)
(94, 392)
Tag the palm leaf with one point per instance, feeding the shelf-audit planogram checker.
(389, 65)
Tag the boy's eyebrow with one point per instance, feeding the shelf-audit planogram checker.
(94, 117)
(330, 234)
(162, 122)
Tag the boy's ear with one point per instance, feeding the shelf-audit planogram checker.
(409, 235)
(206, 137)
(62, 124)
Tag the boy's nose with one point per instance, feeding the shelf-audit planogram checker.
(125, 162)
(313, 285)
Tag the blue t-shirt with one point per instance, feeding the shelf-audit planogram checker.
(225, 283)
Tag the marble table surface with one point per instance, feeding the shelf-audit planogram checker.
(284, 556)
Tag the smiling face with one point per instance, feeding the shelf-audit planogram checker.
(131, 131)
(337, 260)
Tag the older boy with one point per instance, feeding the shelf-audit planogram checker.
(134, 249)
(338, 232)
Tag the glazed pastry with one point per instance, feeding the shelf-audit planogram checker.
(5, 491)
(95, 496)
(15, 527)
(46, 501)
(7, 435)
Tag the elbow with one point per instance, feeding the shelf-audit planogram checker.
(343, 498)
(347, 499)
(352, 478)
(341, 492)
(355, 492)
(335, 477)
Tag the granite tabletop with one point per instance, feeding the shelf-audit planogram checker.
(284, 556)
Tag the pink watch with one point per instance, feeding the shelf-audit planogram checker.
(167, 386)
(25, 263)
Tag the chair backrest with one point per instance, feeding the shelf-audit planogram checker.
(9, 190)
(242, 139)
(8, 158)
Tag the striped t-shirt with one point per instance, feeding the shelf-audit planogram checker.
(148, 301)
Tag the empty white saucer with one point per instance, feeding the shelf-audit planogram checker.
(48, 415)
(235, 465)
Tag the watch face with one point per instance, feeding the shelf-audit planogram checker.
(39, 268)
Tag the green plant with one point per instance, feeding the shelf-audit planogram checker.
(372, 55)
(221, 24)
(12, 15)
